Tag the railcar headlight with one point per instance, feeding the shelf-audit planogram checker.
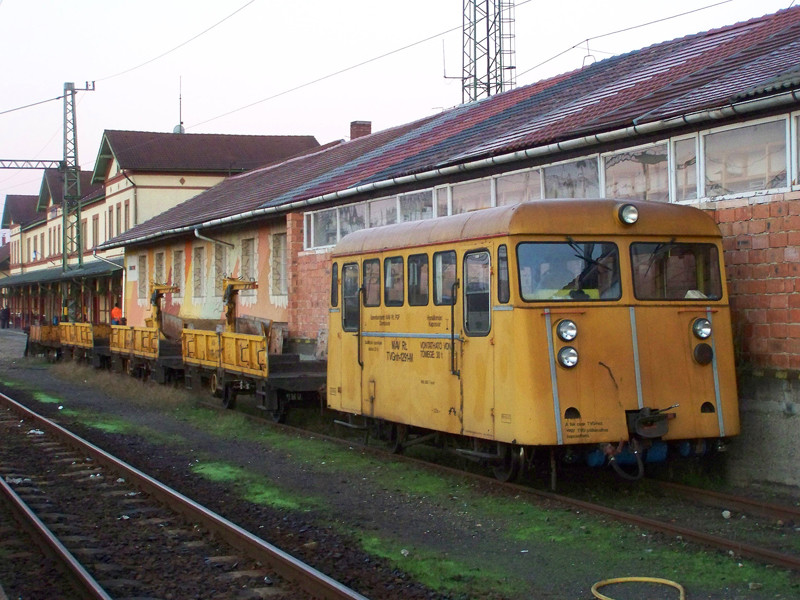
(567, 330)
(628, 214)
(568, 357)
(701, 328)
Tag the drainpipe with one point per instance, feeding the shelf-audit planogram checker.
(135, 200)
(208, 239)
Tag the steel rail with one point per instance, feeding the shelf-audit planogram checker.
(84, 582)
(309, 579)
(740, 503)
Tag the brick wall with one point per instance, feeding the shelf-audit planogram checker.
(762, 255)
(309, 283)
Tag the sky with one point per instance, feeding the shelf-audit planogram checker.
(297, 67)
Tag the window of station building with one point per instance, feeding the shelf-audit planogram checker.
(177, 271)
(141, 276)
(324, 228)
(685, 157)
(393, 286)
(279, 265)
(503, 286)
(351, 305)
(444, 277)
(745, 159)
(441, 201)
(576, 179)
(372, 282)
(220, 268)
(159, 268)
(335, 284)
(418, 280)
(352, 218)
(416, 206)
(639, 174)
(471, 196)
(95, 230)
(518, 187)
(198, 271)
(127, 215)
(383, 212)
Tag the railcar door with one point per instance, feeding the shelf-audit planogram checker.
(477, 364)
(350, 342)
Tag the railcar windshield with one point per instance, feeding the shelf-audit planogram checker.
(568, 271)
(675, 271)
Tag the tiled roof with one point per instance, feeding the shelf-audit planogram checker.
(196, 152)
(21, 210)
(52, 190)
(756, 59)
(5, 256)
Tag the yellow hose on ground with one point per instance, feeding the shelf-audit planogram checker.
(606, 582)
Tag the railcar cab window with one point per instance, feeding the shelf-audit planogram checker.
(444, 277)
(503, 287)
(477, 292)
(568, 271)
(418, 280)
(350, 300)
(393, 289)
(335, 285)
(372, 282)
(675, 271)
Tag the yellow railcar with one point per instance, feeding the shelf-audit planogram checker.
(597, 328)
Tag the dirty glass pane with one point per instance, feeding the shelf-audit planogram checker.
(416, 206)
(568, 271)
(352, 218)
(418, 279)
(372, 282)
(393, 288)
(383, 212)
(350, 300)
(638, 174)
(477, 293)
(519, 187)
(576, 179)
(471, 196)
(685, 170)
(503, 286)
(746, 159)
(325, 228)
(675, 271)
(444, 276)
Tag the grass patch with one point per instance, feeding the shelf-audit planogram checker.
(440, 572)
(254, 488)
(46, 398)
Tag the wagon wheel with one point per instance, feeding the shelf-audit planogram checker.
(399, 437)
(213, 384)
(229, 396)
(279, 413)
(507, 468)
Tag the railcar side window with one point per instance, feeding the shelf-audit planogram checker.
(393, 288)
(372, 282)
(350, 297)
(675, 271)
(503, 289)
(444, 276)
(335, 284)
(477, 293)
(418, 280)
(568, 271)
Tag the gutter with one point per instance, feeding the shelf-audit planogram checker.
(208, 239)
(634, 130)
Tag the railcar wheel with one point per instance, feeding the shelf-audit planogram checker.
(507, 469)
(399, 437)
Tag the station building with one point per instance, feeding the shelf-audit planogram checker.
(710, 120)
(136, 176)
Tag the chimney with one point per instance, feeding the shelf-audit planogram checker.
(360, 129)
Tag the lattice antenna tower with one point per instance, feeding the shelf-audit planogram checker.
(72, 236)
(488, 42)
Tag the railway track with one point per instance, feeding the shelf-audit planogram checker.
(123, 534)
